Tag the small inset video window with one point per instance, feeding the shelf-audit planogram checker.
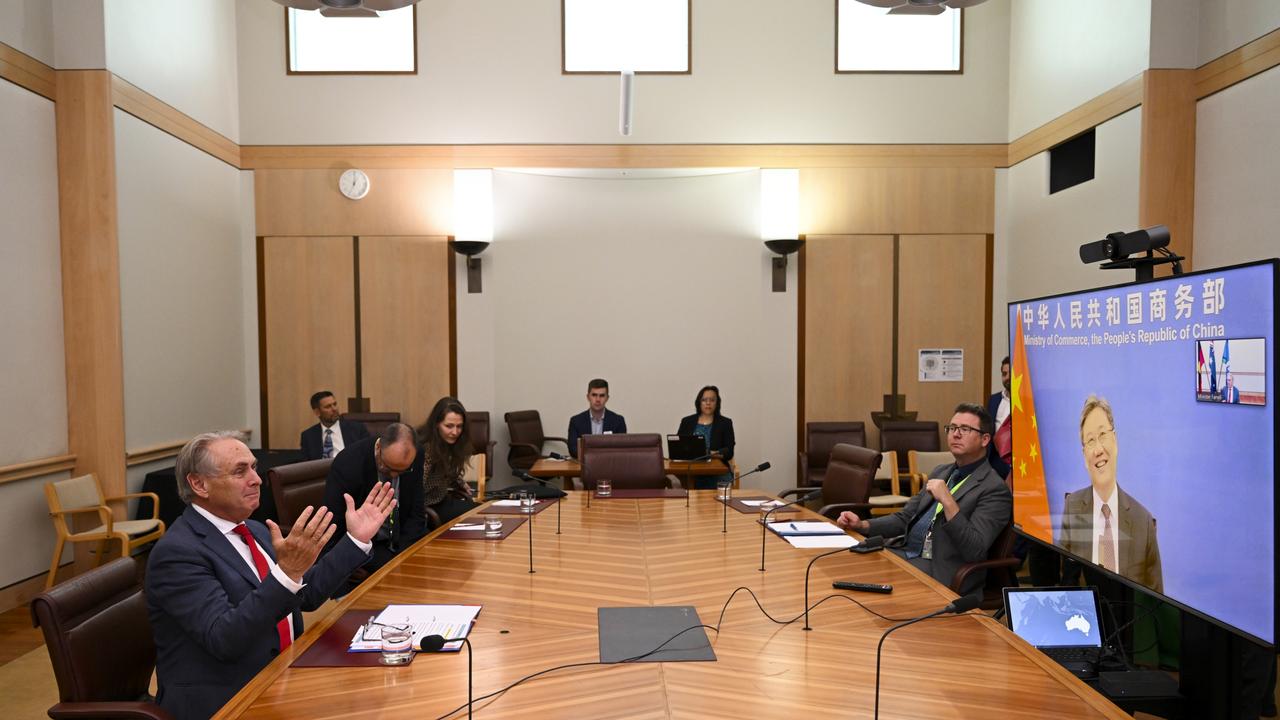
(1232, 371)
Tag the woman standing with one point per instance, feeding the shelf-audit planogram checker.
(446, 448)
(715, 429)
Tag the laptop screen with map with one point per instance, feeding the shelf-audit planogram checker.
(1054, 617)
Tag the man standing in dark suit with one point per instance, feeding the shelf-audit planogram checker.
(390, 458)
(328, 437)
(224, 592)
(595, 420)
(998, 408)
(957, 516)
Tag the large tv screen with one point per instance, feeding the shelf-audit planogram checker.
(1143, 436)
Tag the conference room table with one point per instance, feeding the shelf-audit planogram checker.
(570, 468)
(623, 552)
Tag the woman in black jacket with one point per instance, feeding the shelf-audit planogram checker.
(715, 429)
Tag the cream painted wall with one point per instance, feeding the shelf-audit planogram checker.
(1227, 24)
(1045, 231)
(181, 277)
(184, 53)
(1062, 54)
(1237, 172)
(32, 370)
(763, 71)
(79, 42)
(27, 26)
(249, 309)
(658, 285)
(1000, 279)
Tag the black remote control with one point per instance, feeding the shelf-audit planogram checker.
(862, 587)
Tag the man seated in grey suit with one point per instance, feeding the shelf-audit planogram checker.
(1101, 522)
(958, 514)
(224, 592)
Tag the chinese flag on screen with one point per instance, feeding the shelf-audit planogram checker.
(1030, 501)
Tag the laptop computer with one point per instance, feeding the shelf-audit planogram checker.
(685, 447)
(1062, 622)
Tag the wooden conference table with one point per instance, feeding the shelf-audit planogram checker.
(626, 552)
(570, 468)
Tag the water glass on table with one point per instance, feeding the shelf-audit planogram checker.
(492, 526)
(397, 644)
(527, 501)
(604, 488)
(724, 489)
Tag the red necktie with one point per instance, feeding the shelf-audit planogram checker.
(260, 562)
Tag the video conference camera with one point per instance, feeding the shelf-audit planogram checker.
(1120, 245)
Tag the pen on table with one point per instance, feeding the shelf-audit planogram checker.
(793, 527)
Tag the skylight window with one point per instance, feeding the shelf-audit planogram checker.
(383, 44)
(645, 36)
(869, 39)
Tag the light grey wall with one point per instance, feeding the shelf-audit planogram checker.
(1237, 173)
(1227, 24)
(27, 26)
(489, 72)
(32, 365)
(658, 285)
(181, 277)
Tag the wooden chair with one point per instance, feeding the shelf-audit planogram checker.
(83, 495)
(475, 476)
(631, 461)
(374, 422)
(1000, 568)
(893, 499)
(99, 641)
(919, 465)
(903, 436)
(481, 442)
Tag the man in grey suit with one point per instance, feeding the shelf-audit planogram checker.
(1103, 523)
(957, 516)
(224, 592)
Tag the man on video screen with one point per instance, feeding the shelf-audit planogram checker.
(1102, 522)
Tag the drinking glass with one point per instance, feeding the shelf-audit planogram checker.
(604, 488)
(397, 644)
(492, 526)
(724, 489)
(527, 501)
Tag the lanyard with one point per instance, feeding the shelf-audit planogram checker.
(937, 506)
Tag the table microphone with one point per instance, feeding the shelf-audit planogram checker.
(556, 456)
(434, 643)
(873, 540)
(964, 603)
(542, 489)
(764, 524)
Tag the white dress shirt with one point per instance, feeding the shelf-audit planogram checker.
(1002, 411)
(338, 443)
(1100, 522)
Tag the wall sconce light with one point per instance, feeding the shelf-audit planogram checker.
(471, 248)
(780, 218)
(783, 248)
(472, 219)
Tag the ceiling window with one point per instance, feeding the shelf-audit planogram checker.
(609, 36)
(871, 39)
(383, 44)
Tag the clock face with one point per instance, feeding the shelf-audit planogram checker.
(354, 184)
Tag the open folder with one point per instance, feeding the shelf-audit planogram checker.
(804, 527)
(452, 622)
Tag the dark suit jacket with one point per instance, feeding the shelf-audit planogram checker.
(1231, 395)
(213, 620)
(993, 455)
(1137, 550)
(354, 471)
(580, 425)
(722, 439)
(312, 442)
(986, 507)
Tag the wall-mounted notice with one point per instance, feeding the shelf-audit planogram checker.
(941, 365)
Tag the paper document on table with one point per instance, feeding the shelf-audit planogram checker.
(821, 541)
(799, 527)
(507, 503)
(766, 503)
(452, 622)
(468, 526)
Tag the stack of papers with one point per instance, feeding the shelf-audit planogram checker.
(468, 526)
(452, 622)
(507, 503)
(764, 504)
(805, 527)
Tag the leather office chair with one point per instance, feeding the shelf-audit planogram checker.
(819, 439)
(297, 485)
(83, 495)
(1000, 566)
(375, 422)
(478, 429)
(903, 436)
(525, 428)
(847, 485)
(99, 640)
(631, 461)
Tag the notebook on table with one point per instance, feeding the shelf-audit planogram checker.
(1062, 622)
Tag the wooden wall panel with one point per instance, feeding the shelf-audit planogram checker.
(1167, 183)
(309, 329)
(307, 202)
(404, 321)
(848, 327)
(942, 304)
(884, 200)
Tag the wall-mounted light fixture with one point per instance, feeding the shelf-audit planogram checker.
(780, 219)
(472, 219)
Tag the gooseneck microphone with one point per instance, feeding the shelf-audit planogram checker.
(764, 523)
(964, 603)
(434, 643)
(547, 490)
(759, 468)
(873, 540)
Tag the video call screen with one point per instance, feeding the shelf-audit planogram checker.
(1117, 461)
